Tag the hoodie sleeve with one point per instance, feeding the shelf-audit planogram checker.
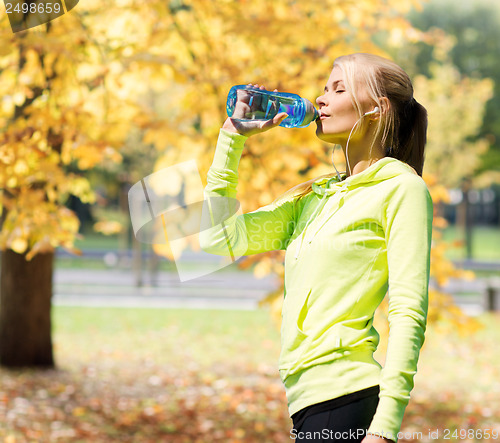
(407, 220)
(227, 233)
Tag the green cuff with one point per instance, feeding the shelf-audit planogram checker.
(388, 418)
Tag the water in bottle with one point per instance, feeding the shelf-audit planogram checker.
(252, 103)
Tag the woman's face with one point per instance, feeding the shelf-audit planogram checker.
(337, 113)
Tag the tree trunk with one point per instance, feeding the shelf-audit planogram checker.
(464, 218)
(25, 310)
(468, 225)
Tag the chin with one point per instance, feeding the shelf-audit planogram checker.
(329, 138)
(319, 132)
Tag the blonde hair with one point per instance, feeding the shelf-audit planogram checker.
(404, 126)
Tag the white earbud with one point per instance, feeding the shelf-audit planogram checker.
(372, 112)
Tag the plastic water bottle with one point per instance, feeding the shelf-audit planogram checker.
(259, 104)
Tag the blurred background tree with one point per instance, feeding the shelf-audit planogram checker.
(474, 28)
(464, 146)
(68, 105)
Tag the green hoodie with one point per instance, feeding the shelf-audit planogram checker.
(347, 243)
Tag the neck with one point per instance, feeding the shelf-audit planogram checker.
(360, 166)
(360, 157)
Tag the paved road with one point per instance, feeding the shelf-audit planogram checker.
(114, 287)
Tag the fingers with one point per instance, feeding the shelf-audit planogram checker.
(278, 118)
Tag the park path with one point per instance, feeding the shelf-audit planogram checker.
(117, 287)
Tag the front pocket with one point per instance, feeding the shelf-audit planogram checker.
(293, 336)
(301, 316)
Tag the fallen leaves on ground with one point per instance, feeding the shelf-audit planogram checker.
(120, 394)
(141, 402)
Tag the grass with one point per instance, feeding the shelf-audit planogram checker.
(113, 243)
(179, 375)
(485, 243)
(94, 240)
(210, 334)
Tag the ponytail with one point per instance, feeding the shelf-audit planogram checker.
(409, 135)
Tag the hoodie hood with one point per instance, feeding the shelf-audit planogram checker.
(383, 169)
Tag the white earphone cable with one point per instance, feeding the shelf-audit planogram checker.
(346, 152)
(347, 145)
(333, 163)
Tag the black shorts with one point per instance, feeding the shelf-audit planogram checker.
(345, 418)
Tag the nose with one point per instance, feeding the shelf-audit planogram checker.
(320, 100)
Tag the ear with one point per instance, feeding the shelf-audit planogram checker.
(384, 107)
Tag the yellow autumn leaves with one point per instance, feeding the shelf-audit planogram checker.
(39, 227)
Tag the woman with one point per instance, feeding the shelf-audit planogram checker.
(349, 239)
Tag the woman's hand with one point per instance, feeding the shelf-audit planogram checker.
(250, 127)
(375, 439)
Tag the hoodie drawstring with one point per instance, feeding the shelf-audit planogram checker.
(344, 188)
(316, 212)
